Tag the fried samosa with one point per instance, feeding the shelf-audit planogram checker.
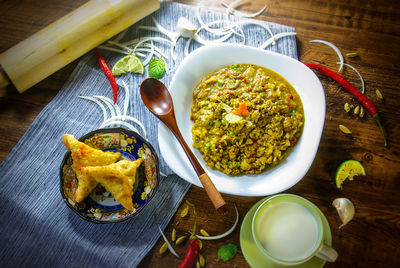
(86, 156)
(117, 178)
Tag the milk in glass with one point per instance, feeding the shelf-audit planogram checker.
(288, 231)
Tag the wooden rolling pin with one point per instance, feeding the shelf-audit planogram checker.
(63, 41)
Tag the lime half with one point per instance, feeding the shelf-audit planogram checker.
(348, 169)
(129, 63)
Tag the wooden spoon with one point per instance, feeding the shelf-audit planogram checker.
(157, 99)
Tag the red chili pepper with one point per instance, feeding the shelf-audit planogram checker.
(293, 142)
(291, 97)
(191, 118)
(367, 103)
(193, 248)
(191, 254)
(107, 71)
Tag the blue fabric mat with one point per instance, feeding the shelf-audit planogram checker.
(37, 229)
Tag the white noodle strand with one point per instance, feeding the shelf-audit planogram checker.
(233, 11)
(126, 100)
(128, 118)
(115, 110)
(98, 103)
(120, 123)
(358, 73)
(334, 48)
(271, 40)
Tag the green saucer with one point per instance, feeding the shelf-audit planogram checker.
(256, 258)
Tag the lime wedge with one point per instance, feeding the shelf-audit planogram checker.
(348, 169)
(129, 63)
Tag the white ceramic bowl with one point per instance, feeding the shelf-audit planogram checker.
(277, 179)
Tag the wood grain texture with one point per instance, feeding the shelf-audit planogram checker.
(370, 28)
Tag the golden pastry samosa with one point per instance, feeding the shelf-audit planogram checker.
(86, 156)
(117, 178)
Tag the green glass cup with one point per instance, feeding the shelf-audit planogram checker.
(288, 230)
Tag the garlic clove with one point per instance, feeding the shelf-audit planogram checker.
(186, 28)
(345, 209)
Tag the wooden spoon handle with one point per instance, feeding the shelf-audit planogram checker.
(213, 194)
(208, 185)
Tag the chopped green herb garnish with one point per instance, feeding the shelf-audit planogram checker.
(232, 132)
(238, 138)
(208, 144)
(227, 252)
(236, 67)
(293, 113)
(235, 94)
(219, 123)
(221, 82)
(156, 68)
(229, 162)
(238, 164)
(262, 94)
(211, 123)
(206, 102)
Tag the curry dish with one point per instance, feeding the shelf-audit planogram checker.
(246, 118)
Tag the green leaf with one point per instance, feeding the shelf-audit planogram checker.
(227, 252)
(156, 68)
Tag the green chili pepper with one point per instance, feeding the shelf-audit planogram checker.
(206, 102)
(229, 163)
(221, 82)
(238, 138)
(292, 113)
(262, 94)
(208, 144)
(219, 123)
(238, 164)
(211, 123)
(232, 132)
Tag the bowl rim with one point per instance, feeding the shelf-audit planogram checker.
(109, 130)
(178, 80)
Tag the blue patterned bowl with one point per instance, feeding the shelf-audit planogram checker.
(100, 206)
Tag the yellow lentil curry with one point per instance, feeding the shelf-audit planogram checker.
(246, 118)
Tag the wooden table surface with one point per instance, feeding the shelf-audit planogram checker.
(369, 28)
